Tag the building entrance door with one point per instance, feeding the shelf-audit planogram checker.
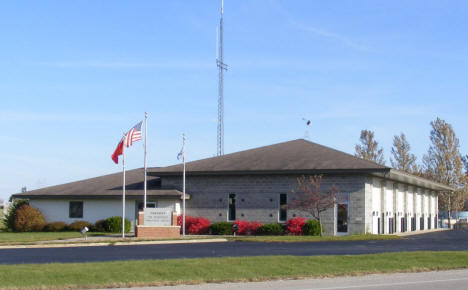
(342, 218)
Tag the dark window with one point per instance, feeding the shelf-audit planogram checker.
(149, 204)
(390, 225)
(342, 220)
(283, 207)
(76, 209)
(232, 207)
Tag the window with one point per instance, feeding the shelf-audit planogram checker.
(76, 209)
(232, 207)
(342, 218)
(283, 207)
(149, 204)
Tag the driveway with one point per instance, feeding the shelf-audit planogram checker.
(456, 240)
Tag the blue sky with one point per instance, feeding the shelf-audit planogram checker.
(75, 75)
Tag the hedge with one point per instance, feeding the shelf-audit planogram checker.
(114, 225)
(28, 219)
(312, 228)
(274, 229)
(221, 228)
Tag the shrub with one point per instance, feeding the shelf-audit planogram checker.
(9, 219)
(294, 226)
(78, 225)
(198, 226)
(273, 229)
(99, 226)
(194, 225)
(221, 228)
(55, 227)
(312, 228)
(28, 219)
(242, 227)
(253, 227)
(114, 225)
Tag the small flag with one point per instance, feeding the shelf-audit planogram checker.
(181, 153)
(133, 135)
(118, 151)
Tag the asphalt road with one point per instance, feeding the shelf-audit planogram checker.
(438, 241)
(454, 280)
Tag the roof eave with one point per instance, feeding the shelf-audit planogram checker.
(275, 172)
(410, 179)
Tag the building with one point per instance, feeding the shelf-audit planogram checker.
(257, 185)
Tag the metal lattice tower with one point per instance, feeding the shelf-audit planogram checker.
(221, 67)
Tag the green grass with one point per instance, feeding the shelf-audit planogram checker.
(313, 238)
(189, 271)
(14, 238)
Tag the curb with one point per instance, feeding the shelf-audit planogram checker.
(101, 244)
(407, 234)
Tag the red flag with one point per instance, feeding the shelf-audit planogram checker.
(118, 151)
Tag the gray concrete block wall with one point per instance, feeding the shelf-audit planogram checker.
(257, 197)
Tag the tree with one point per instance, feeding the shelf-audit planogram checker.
(465, 163)
(443, 163)
(308, 197)
(369, 148)
(402, 158)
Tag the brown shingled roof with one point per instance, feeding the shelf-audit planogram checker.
(293, 156)
(104, 186)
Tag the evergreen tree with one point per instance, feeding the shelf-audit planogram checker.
(402, 158)
(369, 148)
(443, 163)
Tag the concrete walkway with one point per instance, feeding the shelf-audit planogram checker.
(99, 241)
(454, 280)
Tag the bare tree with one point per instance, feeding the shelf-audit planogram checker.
(402, 158)
(308, 197)
(443, 163)
(369, 148)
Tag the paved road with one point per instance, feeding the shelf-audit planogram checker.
(453, 280)
(438, 241)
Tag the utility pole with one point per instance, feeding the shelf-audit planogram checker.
(221, 68)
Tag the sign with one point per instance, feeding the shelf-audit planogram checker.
(157, 217)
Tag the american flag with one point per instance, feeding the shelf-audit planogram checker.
(133, 135)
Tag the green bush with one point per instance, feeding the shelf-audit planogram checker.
(114, 225)
(9, 219)
(55, 227)
(99, 226)
(274, 229)
(78, 225)
(221, 228)
(28, 219)
(312, 228)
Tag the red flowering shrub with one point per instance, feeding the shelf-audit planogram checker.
(253, 227)
(294, 226)
(243, 227)
(194, 225)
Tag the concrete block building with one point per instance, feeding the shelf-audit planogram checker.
(258, 185)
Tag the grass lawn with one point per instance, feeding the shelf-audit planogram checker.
(12, 238)
(313, 238)
(189, 271)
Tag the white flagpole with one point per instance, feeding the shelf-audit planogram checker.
(183, 189)
(123, 186)
(146, 132)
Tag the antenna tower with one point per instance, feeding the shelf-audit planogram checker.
(221, 68)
